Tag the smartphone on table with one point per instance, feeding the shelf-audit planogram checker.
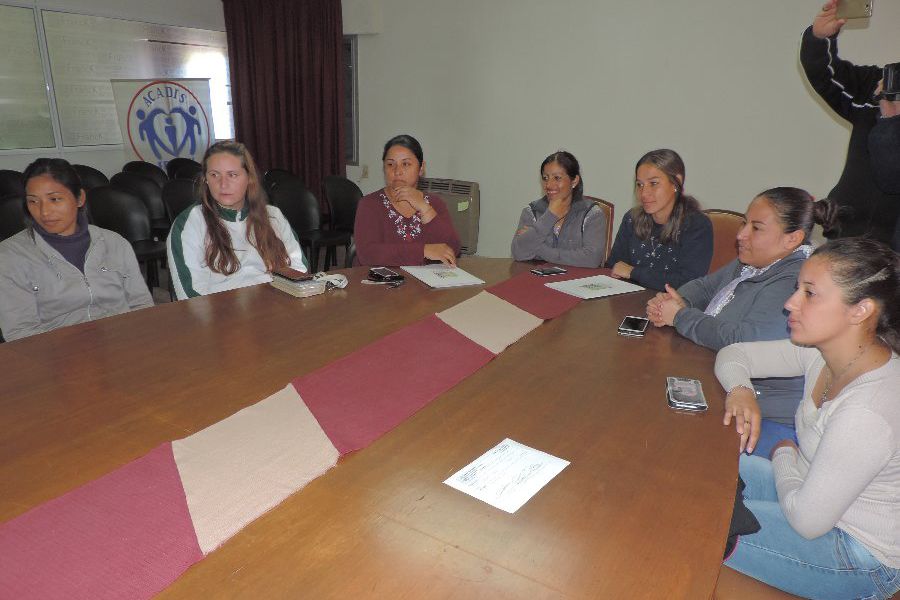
(384, 274)
(633, 326)
(548, 271)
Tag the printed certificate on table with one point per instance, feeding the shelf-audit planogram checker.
(596, 286)
(507, 475)
(442, 276)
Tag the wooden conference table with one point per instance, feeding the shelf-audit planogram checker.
(641, 512)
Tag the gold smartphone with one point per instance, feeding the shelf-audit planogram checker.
(854, 9)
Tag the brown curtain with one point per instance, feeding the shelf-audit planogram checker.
(287, 84)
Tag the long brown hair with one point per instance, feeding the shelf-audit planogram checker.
(672, 166)
(220, 256)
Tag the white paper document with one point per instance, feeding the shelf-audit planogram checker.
(507, 475)
(596, 286)
(442, 276)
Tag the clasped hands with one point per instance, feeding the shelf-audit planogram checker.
(662, 308)
(416, 199)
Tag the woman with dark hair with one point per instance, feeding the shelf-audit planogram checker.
(830, 508)
(232, 238)
(665, 240)
(744, 300)
(60, 271)
(562, 227)
(399, 225)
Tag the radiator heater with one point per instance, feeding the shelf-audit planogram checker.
(463, 201)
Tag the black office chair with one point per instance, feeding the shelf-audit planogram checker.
(177, 196)
(343, 197)
(301, 209)
(183, 168)
(12, 216)
(11, 183)
(147, 170)
(273, 176)
(123, 212)
(90, 177)
(150, 194)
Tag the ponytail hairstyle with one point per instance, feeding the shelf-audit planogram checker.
(866, 268)
(59, 171)
(672, 166)
(797, 210)
(220, 256)
(570, 165)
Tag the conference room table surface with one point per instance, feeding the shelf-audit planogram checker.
(642, 511)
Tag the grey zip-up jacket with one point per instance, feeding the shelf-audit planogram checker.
(582, 237)
(41, 291)
(756, 313)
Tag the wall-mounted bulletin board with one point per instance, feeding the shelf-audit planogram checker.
(82, 54)
(25, 121)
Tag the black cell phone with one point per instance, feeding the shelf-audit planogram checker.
(384, 274)
(292, 274)
(633, 326)
(547, 271)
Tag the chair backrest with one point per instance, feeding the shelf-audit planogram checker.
(147, 170)
(342, 196)
(12, 215)
(725, 224)
(183, 168)
(121, 211)
(177, 196)
(145, 189)
(298, 204)
(11, 183)
(90, 177)
(273, 176)
(610, 209)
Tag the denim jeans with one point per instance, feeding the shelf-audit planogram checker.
(770, 433)
(832, 566)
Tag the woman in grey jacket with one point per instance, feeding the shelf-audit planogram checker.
(60, 271)
(744, 300)
(561, 227)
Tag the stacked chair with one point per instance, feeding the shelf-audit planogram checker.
(150, 194)
(90, 177)
(343, 196)
(12, 203)
(183, 168)
(122, 211)
(301, 209)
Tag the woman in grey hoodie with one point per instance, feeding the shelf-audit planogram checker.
(744, 300)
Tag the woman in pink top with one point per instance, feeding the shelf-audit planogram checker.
(398, 224)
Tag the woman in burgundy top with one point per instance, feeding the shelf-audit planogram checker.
(399, 225)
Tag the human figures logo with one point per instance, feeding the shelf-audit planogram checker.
(165, 121)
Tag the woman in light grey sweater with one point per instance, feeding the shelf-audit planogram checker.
(830, 508)
(744, 300)
(562, 227)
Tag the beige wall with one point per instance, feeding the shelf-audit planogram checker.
(490, 87)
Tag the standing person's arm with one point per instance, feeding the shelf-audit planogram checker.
(692, 255)
(842, 85)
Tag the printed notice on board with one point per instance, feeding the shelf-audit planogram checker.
(507, 475)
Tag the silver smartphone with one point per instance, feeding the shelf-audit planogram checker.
(855, 9)
(633, 326)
